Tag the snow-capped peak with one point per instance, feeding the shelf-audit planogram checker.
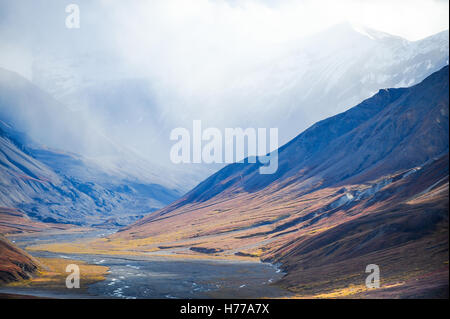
(371, 33)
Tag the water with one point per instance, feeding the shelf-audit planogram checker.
(161, 277)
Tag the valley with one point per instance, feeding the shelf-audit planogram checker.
(146, 276)
(121, 148)
(324, 215)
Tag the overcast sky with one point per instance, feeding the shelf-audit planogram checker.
(192, 27)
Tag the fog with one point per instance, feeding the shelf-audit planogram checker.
(135, 70)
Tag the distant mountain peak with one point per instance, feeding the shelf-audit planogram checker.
(372, 33)
(348, 28)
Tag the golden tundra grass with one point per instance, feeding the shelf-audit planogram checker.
(346, 292)
(53, 274)
(91, 248)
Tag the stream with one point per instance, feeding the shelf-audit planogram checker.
(136, 277)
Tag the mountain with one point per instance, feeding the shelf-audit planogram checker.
(53, 182)
(325, 74)
(50, 123)
(122, 121)
(393, 130)
(296, 85)
(62, 187)
(328, 72)
(403, 229)
(31, 110)
(127, 111)
(95, 131)
(13, 221)
(369, 185)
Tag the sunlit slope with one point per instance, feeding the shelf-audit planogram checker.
(367, 186)
(370, 184)
(394, 131)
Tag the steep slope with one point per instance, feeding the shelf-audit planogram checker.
(15, 264)
(32, 111)
(13, 221)
(369, 185)
(406, 235)
(52, 125)
(61, 187)
(394, 130)
(327, 73)
(54, 183)
(128, 113)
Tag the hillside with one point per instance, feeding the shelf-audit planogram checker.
(15, 264)
(365, 177)
(60, 187)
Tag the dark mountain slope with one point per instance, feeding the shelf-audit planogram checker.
(60, 187)
(15, 264)
(407, 235)
(44, 175)
(368, 186)
(394, 130)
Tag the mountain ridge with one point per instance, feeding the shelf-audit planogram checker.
(248, 177)
(60, 187)
(374, 192)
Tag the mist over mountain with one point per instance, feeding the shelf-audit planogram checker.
(32, 111)
(396, 129)
(117, 125)
(61, 187)
(57, 184)
(308, 80)
(133, 73)
(99, 100)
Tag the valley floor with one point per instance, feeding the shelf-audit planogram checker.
(172, 273)
(128, 276)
